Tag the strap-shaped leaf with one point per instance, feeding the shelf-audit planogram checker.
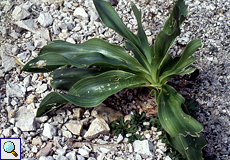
(45, 63)
(189, 146)
(93, 51)
(171, 116)
(184, 131)
(52, 101)
(167, 36)
(180, 67)
(66, 78)
(91, 91)
(141, 34)
(112, 20)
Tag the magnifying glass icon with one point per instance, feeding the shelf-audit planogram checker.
(9, 147)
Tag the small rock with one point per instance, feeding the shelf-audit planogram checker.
(45, 150)
(74, 127)
(46, 158)
(78, 112)
(34, 149)
(11, 114)
(119, 138)
(15, 90)
(37, 141)
(71, 155)
(66, 134)
(138, 157)
(80, 157)
(45, 19)
(144, 147)
(7, 132)
(17, 130)
(8, 62)
(25, 119)
(39, 43)
(108, 114)
(58, 157)
(20, 13)
(49, 130)
(42, 119)
(98, 126)
(42, 88)
(84, 152)
(80, 12)
(61, 151)
(70, 40)
(27, 24)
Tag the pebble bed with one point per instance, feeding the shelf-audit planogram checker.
(26, 26)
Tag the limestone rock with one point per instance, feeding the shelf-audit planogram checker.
(98, 126)
(144, 147)
(15, 90)
(71, 155)
(49, 130)
(108, 114)
(45, 19)
(27, 24)
(74, 127)
(45, 150)
(20, 13)
(25, 119)
(80, 12)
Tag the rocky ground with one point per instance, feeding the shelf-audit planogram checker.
(76, 133)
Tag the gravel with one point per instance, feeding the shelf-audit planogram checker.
(26, 26)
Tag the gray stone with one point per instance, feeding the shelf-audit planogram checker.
(42, 88)
(39, 43)
(80, 157)
(8, 62)
(66, 134)
(20, 13)
(15, 90)
(119, 138)
(7, 132)
(80, 12)
(74, 127)
(27, 24)
(46, 158)
(45, 19)
(45, 150)
(37, 141)
(71, 155)
(25, 119)
(84, 152)
(49, 130)
(61, 151)
(144, 147)
(58, 157)
(98, 126)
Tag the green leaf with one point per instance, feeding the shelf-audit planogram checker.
(94, 51)
(112, 20)
(180, 65)
(172, 117)
(91, 91)
(184, 131)
(67, 77)
(167, 36)
(189, 146)
(45, 63)
(51, 101)
(141, 34)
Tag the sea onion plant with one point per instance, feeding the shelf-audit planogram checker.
(94, 70)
